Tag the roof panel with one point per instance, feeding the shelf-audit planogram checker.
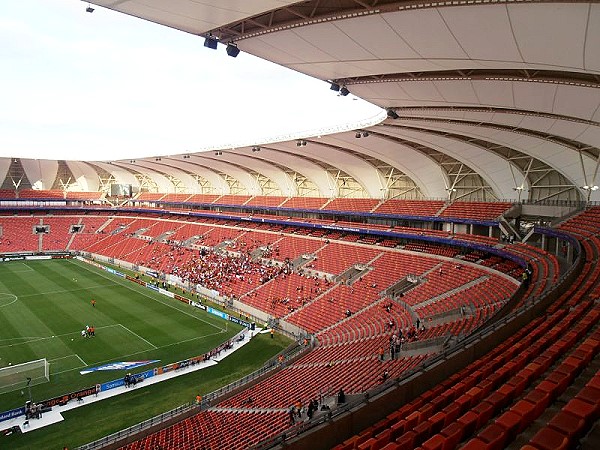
(456, 92)
(415, 27)
(422, 90)
(385, 43)
(534, 96)
(550, 33)
(577, 101)
(333, 41)
(468, 24)
(499, 93)
(190, 15)
(592, 55)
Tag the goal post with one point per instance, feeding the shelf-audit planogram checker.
(19, 376)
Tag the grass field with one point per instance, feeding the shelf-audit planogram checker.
(44, 305)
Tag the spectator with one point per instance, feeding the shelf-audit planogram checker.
(341, 397)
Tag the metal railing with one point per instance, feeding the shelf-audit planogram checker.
(138, 428)
(126, 433)
(459, 345)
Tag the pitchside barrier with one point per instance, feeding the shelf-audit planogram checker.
(139, 377)
(63, 399)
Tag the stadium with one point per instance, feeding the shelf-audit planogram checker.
(426, 280)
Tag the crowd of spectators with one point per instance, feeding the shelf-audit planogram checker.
(235, 272)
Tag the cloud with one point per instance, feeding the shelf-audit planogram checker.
(109, 86)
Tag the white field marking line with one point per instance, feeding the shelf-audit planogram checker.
(8, 293)
(68, 370)
(28, 269)
(63, 291)
(141, 351)
(20, 338)
(62, 357)
(152, 298)
(68, 356)
(78, 333)
(139, 337)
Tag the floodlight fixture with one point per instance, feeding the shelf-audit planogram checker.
(256, 149)
(344, 91)
(211, 42)
(232, 50)
(357, 135)
(334, 87)
(89, 9)
(218, 153)
(392, 114)
(186, 156)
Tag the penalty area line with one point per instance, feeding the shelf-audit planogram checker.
(68, 356)
(139, 337)
(82, 361)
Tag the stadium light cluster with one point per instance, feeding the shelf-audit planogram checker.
(392, 114)
(211, 41)
(340, 89)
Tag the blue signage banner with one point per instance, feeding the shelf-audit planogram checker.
(7, 415)
(218, 313)
(112, 384)
(120, 365)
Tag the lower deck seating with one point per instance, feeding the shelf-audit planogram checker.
(520, 393)
(349, 355)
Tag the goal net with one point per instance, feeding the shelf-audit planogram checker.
(20, 375)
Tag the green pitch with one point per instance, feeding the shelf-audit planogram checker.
(44, 305)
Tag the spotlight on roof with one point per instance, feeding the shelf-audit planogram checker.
(89, 9)
(186, 156)
(218, 153)
(256, 149)
(357, 135)
(301, 143)
(365, 134)
(232, 50)
(132, 161)
(392, 114)
(211, 42)
(157, 159)
(335, 87)
(344, 91)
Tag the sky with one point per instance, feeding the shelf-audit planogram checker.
(105, 86)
